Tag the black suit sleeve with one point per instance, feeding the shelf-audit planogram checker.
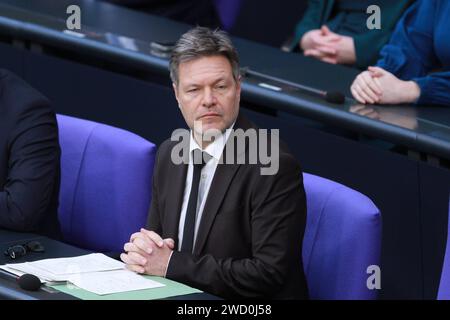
(33, 164)
(277, 219)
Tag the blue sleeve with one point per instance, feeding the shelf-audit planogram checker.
(434, 88)
(410, 52)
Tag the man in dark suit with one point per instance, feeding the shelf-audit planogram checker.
(29, 159)
(218, 221)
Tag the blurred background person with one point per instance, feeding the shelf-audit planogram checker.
(335, 31)
(29, 159)
(415, 65)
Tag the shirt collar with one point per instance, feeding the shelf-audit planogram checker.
(215, 148)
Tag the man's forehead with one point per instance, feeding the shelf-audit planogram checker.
(204, 67)
(215, 61)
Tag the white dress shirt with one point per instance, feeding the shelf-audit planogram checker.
(215, 150)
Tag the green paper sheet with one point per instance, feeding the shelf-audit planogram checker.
(170, 289)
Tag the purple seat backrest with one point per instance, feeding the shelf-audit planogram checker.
(444, 286)
(105, 191)
(228, 11)
(342, 239)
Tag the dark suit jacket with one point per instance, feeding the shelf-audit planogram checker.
(367, 44)
(249, 242)
(29, 159)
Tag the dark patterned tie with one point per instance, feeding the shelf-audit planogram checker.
(191, 212)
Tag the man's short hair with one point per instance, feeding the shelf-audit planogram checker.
(203, 42)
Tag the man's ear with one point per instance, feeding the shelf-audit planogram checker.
(238, 83)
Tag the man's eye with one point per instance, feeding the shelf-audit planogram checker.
(192, 90)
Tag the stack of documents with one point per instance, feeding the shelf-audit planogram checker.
(94, 272)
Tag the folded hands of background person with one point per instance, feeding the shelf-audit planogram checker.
(376, 85)
(328, 46)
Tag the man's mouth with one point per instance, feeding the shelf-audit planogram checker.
(209, 115)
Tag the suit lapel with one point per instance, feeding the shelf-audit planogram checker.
(219, 187)
(178, 176)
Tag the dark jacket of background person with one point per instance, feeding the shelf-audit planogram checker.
(29, 159)
(419, 46)
(193, 12)
(348, 17)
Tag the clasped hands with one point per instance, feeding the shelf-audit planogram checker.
(328, 46)
(376, 85)
(147, 253)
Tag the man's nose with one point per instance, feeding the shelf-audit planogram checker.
(208, 98)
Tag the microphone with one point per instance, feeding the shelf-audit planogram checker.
(29, 282)
(329, 96)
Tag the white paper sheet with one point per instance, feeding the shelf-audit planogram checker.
(22, 268)
(93, 262)
(95, 272)
(115, 281)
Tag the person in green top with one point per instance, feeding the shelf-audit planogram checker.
(335, 31)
